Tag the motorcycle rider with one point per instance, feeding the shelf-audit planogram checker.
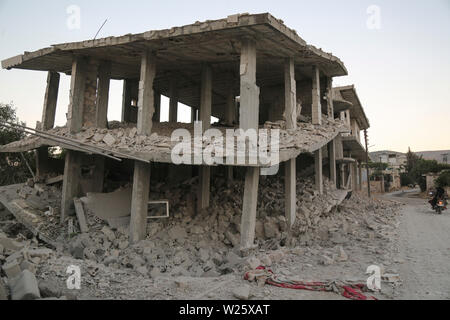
(439, 194)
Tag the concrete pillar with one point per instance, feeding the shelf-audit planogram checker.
(316, 106)
(249, 101)
(90, 94)
(72, 168)
(248, 119)
(360, 176)
(290, 113)
(104, 79)
(157, 114)
(48, 119)
(290, 94)
(173, 103)
(50, 100)
(141, 179)
(354, 177)
(249, 207)
(71, 182)
(342, 182)
(193, 115)
(318, 171)
(330, 105)
(126, 101)
(332, 161)
(205, 118)
(77, 87)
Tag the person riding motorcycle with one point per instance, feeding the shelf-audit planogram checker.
(438, 195)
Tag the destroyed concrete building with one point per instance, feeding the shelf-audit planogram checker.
(249, 71)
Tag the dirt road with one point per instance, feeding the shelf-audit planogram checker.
(423, 248)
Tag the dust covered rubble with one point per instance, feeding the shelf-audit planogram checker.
(205, 245)
(124, 137)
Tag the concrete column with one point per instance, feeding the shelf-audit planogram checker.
(104, 79)
(173, 104)
(205, 118)
(90, 94)
(193, 115)
(330, 105)
(318, 171)
(316, 106)
(354, 177)
(126, 101)
(342, 176)
(249, 207)
(249, 102)
(249, 116)
(50, 100)
(290, 113)
(141, 179)
(332, 161)
(72, 168)
(71, 182)
(48, 119)
(290, 94)
(77, 87)
(157, 114)
(360, 176)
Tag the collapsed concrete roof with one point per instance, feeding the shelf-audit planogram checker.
(181, 50)
(348, 93)
(126, 144)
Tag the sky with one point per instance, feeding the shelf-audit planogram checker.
(397, 53)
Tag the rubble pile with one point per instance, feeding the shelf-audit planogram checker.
(206, 244)
(123, 137)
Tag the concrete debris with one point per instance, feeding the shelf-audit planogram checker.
(12, 269)
(24, 287)
(242, 293)
(109, 205)
(203, 245)
(390, 277)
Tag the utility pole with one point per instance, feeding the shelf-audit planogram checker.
(367, 161)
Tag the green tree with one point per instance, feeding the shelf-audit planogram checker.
(13, 168)
(443, 180)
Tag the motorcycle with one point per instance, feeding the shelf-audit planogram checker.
(439, 204)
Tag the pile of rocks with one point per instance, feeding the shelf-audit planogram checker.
(206, 244)
(19, 261)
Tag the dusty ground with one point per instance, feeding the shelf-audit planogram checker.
(424, 249)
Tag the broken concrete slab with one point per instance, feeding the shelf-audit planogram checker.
(109, 205)
(24, 287)
(80, 215)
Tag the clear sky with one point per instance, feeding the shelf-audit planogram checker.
(400, 63)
